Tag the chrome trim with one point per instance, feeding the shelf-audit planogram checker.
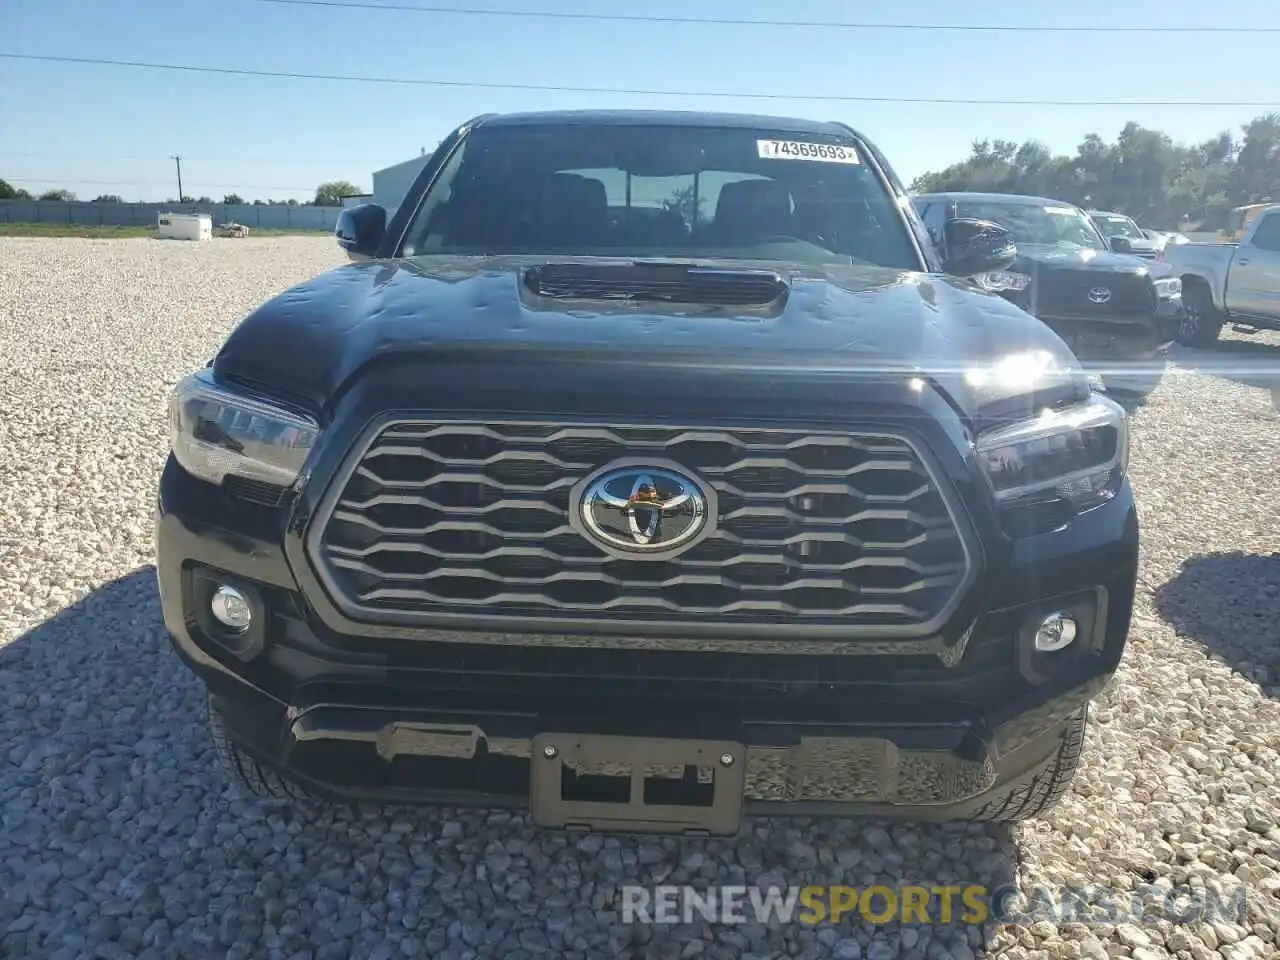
(583, 624)
(592, 487)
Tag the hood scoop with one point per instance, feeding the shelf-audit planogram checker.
(656, 283)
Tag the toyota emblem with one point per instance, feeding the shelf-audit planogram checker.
(642, 509)
(1099, 295)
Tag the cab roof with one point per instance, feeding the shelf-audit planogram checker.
(665, 118)
(992, 198)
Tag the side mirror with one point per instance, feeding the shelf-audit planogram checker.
(359, 230)
(1121, 244)
(977, 246)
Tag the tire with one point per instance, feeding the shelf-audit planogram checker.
(1202, 323)
(247, 775)
(1043, 791)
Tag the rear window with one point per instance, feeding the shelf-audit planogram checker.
(654, 191)
(1122, 226)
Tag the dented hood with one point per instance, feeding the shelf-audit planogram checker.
(310, 341)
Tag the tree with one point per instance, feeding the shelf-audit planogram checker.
(1143, 173)
(65, 196)
(108, 198)
(686, 203)
(331, 194)
(233, 199)
(10, 192)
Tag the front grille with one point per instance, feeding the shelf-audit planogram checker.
(475, 517)
(1066, 293)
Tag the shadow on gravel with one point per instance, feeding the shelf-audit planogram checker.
(1230, 602)
(119, 837)
(1252, 363)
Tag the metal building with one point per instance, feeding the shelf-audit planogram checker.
(392, 183)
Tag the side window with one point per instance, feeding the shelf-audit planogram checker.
(1267, 235)
(933, 213)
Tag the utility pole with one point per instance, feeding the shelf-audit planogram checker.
(178, 160)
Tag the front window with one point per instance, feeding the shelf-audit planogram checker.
(1055, 225)
(661, 192)
(1114, 226)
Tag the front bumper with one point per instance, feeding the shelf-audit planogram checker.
(1129, 353)
(451, 717)
(1123, 338)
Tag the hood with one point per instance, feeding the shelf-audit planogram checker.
(308, 343)
(1035, 255)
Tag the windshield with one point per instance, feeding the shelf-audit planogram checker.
(1049, 224)
(1112, 225)
(661, 191)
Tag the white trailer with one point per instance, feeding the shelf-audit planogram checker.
(184, 226)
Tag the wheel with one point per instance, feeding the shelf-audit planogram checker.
(1202, 321)
(248, 775)
(1039, 794)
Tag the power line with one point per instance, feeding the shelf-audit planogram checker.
(153, 183)
(204, 158)
(736, 22)
(548, 88)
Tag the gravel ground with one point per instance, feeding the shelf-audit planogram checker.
(120, 837)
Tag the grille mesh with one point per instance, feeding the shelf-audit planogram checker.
(812, 527)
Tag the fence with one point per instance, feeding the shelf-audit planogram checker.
(84, 214)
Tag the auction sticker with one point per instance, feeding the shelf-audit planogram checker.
(798, 150)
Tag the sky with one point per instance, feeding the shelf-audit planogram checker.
(98, 129)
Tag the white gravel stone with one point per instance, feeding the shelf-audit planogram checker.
(120, 838)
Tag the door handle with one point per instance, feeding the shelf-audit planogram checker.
(1243, 262)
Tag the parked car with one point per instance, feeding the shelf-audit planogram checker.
(1236, 283)
(760, 506)
(1110, 309)
(1123, 235)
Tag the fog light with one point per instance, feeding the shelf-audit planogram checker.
(1056, 631)
(232, 610)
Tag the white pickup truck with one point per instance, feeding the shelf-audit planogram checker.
(1235, 283)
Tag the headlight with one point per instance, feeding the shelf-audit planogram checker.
(1076, 454)
(998, 280)
(1168, 288)
(216, 433)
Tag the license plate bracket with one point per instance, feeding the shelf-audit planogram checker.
(637, 804)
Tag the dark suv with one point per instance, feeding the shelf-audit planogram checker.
(647, 470)
(1117, 312)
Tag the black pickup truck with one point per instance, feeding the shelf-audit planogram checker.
(649, 470)
(1116, 311)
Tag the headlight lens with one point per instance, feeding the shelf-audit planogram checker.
(1075, 454)
(998, 280)
(215, 433)
(1169, 288)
